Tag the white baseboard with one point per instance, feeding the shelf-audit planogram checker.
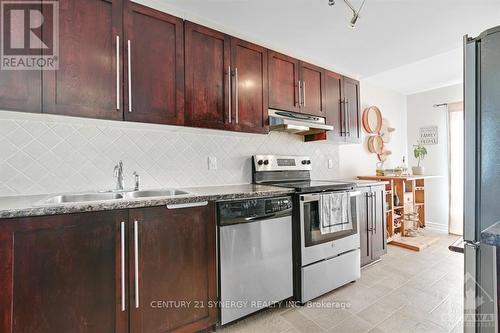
(442, 228)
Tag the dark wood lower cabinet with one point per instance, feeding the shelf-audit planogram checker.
(372, 224)
(62, 274)
(65, 273)
(176, 269)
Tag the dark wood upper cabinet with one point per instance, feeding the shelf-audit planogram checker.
(313, 95)
(154, 76)
(352, 109)
(20, 90)
(88, 82)
(250, 91)
(283, 82)
(176, 262)
(63, 274)
(207, 70)
(121, 60)
(296, 86)
(342, 110)
(333, 105)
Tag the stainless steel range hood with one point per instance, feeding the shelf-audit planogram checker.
(296, 123)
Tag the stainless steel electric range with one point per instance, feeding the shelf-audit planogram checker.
(325, 224)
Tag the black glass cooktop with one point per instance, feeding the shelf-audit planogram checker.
(316, 185)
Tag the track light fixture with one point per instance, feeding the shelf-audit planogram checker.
(355, 13)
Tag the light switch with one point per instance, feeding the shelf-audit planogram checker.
(212, 163)
(330, 164)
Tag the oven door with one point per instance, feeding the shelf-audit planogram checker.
(317, 246)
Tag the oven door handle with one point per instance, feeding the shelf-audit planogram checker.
(315, 196)
(310, 197)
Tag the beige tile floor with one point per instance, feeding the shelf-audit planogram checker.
(406, 292)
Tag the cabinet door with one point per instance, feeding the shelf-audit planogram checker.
(88, 82)
(283, 82)
(379, 237)
(313, 89)
(250, 92)
(365, 226)
(333, 85)
(20, 90)
(352, 109)
(207, 78)
(175, 262)
(63, 274)
(154, 78)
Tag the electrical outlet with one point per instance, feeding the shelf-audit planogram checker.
(212, 163)
(330, 164)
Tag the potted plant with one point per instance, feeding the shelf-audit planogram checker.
(419, 151)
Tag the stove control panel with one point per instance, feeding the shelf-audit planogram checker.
(281, 163)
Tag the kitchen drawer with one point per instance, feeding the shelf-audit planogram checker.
(315, 276)
(408, 198)
(409, 208)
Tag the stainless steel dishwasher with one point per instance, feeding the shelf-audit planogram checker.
(255, 255)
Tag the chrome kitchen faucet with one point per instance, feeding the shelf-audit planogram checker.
(118, 174)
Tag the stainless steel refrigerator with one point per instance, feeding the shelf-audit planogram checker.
(482, 177)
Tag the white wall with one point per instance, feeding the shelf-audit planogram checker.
(421, 113)
(356, 160)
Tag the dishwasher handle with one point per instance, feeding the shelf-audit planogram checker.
(254, 218)
(262, 217)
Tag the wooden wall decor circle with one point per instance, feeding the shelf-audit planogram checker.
(376, 144)
(372, 120)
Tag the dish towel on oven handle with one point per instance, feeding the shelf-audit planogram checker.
(334, 212)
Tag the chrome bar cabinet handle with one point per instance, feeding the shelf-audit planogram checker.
(136, 263)
(122, 260)
(374, 207)
(304, 93)
(129, 54)
(188, 205)
(300, 93)
(347, 120)
(117, 72)
(236, 93)
(229, 92)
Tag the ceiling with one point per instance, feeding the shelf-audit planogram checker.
(394, 40)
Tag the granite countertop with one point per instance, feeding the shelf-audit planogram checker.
(364, 183)
(491, 236)
(407, 177)
(25, 206)
(33, 205)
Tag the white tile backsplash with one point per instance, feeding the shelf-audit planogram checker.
(47, 154)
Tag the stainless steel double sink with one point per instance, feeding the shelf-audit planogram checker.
(103, 196)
